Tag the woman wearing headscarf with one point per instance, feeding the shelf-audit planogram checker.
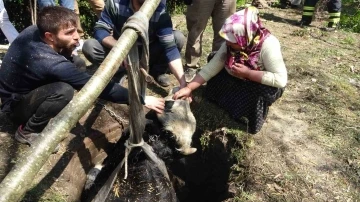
(247, 74)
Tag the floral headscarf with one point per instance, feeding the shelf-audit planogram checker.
(245, 29)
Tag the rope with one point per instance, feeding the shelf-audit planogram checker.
(128, 149)
(139, 23)
(33, 12)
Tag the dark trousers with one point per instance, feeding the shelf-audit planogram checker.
(334, 9)
(96, 53)
(35, 109)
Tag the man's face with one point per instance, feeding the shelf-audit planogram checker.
(67, 39)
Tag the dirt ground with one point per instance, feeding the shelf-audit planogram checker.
(308, 150)
(309, 147)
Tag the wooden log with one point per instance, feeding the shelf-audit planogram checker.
(65, 172)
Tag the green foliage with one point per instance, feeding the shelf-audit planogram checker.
(350, 16)
(20, 14)
(88, 18)
(240, 3)
(175, 6)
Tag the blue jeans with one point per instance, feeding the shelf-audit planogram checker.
(64, 3)
(96, 53)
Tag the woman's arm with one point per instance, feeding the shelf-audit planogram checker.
(215, 65)
(242, 71)
(207, 72)
(275, 73)
(185, 93)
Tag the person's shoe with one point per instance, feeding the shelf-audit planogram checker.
(120, 74)
(163, 80)
(189, 74)
(331, 27)
(303, 23)
(25, 137)
(123, 80)
(295, 6)
(28, 138)
(283, 5)
(191, 67)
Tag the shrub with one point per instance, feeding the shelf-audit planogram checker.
(20, 13)
(350, 16)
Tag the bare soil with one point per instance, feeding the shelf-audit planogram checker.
(308, 149)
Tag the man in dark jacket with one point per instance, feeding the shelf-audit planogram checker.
(165, 44)
(37, 79)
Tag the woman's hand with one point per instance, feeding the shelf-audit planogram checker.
(154, 103)
(240, 70)
(184, 93)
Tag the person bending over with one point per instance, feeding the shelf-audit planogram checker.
(37, 78)
(254, 75)
(165, 44)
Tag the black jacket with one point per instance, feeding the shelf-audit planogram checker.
(30, 63)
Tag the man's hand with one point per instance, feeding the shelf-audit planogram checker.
(184, 93)
(154, 103)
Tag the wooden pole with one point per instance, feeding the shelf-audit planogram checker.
(19, 179)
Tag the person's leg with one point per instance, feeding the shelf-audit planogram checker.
(94, 51)
(334, 8)
(308, 12)
(296, 3)
(158, 64)
(179, 39)
(222, 10)
(35, 109)
(157, 61)
(70, 4)
(197, 16)
(6, 26)
(77, 11)
(97, 6)
(44, 3)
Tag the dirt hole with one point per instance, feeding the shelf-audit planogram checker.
(202, 176)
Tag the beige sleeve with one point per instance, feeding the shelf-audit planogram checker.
(275, 73)
(215, 65)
